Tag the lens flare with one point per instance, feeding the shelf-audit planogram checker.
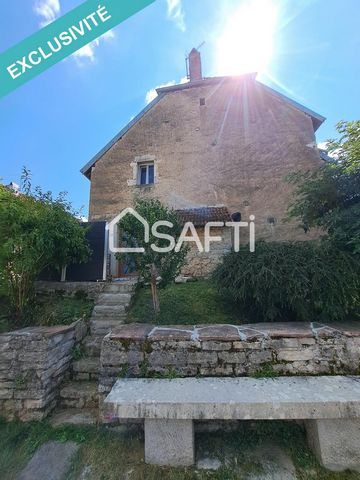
(246, 44)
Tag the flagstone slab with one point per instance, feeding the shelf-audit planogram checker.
(51, 461)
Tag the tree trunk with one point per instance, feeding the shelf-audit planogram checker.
(156, 304)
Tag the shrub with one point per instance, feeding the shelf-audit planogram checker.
(302, 281)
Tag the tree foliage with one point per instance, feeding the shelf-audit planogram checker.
(36, 231)
(329, 197)
(154, 267)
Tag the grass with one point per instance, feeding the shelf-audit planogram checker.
(48, 310)
(185, 304)
(108, 455)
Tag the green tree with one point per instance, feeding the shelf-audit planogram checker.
(156, 268)
(329, 197)
(36, 231)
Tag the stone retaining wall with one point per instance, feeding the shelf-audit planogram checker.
(92, 289)
(142, 350)
(33, 363)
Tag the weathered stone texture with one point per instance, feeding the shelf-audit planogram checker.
(33, 363)
(224, 350)
(92, 289)
(235, 151)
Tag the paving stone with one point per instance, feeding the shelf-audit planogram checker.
(51, 461)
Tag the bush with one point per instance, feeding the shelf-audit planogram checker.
(304, 281)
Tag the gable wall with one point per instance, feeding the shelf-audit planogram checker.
(234, 151)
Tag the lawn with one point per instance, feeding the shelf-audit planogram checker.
(47, 310)
(185, 304)
(107, 454)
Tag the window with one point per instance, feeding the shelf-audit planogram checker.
(202, 102)
(146, 174)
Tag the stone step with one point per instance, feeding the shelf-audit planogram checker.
(92, 345)
(74, 416)
(103, 326)
(108, 310)
(79, 394)
(120, 287)
(86, 368)
(114, 299)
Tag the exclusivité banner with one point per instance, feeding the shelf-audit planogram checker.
(61, 38)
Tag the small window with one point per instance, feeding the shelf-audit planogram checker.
(146, 174)
(202, 102)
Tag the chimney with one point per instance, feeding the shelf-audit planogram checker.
(195, 65)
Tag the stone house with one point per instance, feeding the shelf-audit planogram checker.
(213, 147)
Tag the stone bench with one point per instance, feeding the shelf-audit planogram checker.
(330, 407)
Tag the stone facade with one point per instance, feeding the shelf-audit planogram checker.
(142, 350)
(33, 363)
(234, 150)
(202, 264)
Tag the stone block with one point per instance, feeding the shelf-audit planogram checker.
(335, 442)
(217, 346)
(257, 358)
(232, 357)
(159, 358)
(294, 355)
(169, 442)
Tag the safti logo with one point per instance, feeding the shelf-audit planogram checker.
(188, 234)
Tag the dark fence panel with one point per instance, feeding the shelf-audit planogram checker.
(93, 269)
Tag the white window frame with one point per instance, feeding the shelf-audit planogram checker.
(147, 165)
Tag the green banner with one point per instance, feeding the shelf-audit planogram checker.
(61, 38)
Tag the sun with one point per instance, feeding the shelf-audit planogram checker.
(246, 44)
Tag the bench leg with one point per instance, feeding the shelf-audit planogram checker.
(169, 442)
(336, 443)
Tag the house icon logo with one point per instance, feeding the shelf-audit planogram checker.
(112, 228)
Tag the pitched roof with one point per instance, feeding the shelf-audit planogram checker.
(201, 215)
(317, 119)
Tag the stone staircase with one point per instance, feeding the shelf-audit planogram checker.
(79, 395)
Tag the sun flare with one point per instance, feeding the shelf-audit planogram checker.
(246, 44)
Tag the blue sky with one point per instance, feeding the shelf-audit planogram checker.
(56, 122)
